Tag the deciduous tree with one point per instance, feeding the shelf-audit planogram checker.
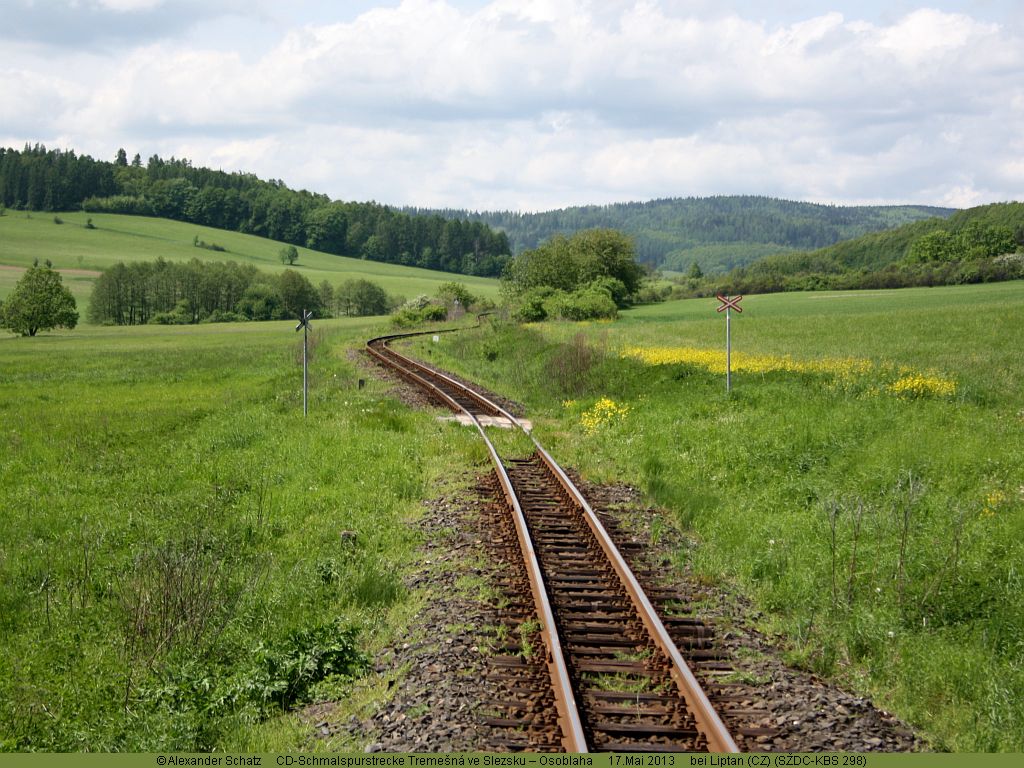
(39, 302)
(297, 294)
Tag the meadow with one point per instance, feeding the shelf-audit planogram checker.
(186, 559)
(184, 556)
(80, 253)
(862, 484)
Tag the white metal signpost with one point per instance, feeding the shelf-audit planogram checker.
(728, 304)
(305, 326)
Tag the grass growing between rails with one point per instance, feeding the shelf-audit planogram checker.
(879, 525)
(184, 557)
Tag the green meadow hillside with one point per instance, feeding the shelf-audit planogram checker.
(80, 253)
(37, 179)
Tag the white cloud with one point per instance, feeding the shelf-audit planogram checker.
(545, 103)
(129, 6)
(928, 36)
(30, 101)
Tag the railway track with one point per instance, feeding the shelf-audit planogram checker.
(606, 675)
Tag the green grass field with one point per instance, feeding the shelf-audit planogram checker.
(80, 253)
(863, 484)
(182, 554)
(175, 548)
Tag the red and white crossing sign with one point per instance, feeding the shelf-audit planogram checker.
(727, 303)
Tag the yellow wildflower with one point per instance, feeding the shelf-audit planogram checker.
(914, 385)
(604, 412)
(993, 500)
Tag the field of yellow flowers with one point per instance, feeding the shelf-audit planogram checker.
(848, 372)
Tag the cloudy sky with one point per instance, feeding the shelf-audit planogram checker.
(537, 104)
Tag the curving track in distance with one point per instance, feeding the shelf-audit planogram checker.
(618, 680)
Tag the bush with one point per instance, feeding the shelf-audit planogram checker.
(208, 246)
(180, 315)
(133, 205)
(419, 310)
(167, 318)
(529, 307)
(287, 673)
(224, 316)
(435, 312)
(652, 294)
(594, 302)
(615, 288)
(452, 292)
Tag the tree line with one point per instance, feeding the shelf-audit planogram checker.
(164, 292)
(51, 180)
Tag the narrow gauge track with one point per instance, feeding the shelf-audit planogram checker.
(618, 680)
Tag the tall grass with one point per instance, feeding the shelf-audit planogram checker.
(880, 528)
(183, 555)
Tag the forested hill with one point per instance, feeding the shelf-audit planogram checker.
(49, 180)
(719, 233)
(981, 244)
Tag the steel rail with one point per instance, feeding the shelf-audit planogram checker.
(410, 362)
(708, 721)
(573, 737)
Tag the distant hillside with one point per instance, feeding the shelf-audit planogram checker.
(80, 253)
(719, 233)
(37, 179)
(980, 244)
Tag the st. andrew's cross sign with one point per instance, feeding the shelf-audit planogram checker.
(305, 327)
(728, 304)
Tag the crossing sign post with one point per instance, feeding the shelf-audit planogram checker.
(728, 304)
(305, 327)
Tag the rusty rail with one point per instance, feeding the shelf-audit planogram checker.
(573, 739)
(709, 724)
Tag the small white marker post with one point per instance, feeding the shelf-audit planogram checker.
(305, 326)
(728, 304)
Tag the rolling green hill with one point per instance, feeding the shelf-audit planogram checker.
(80, 253)
(37, 179)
